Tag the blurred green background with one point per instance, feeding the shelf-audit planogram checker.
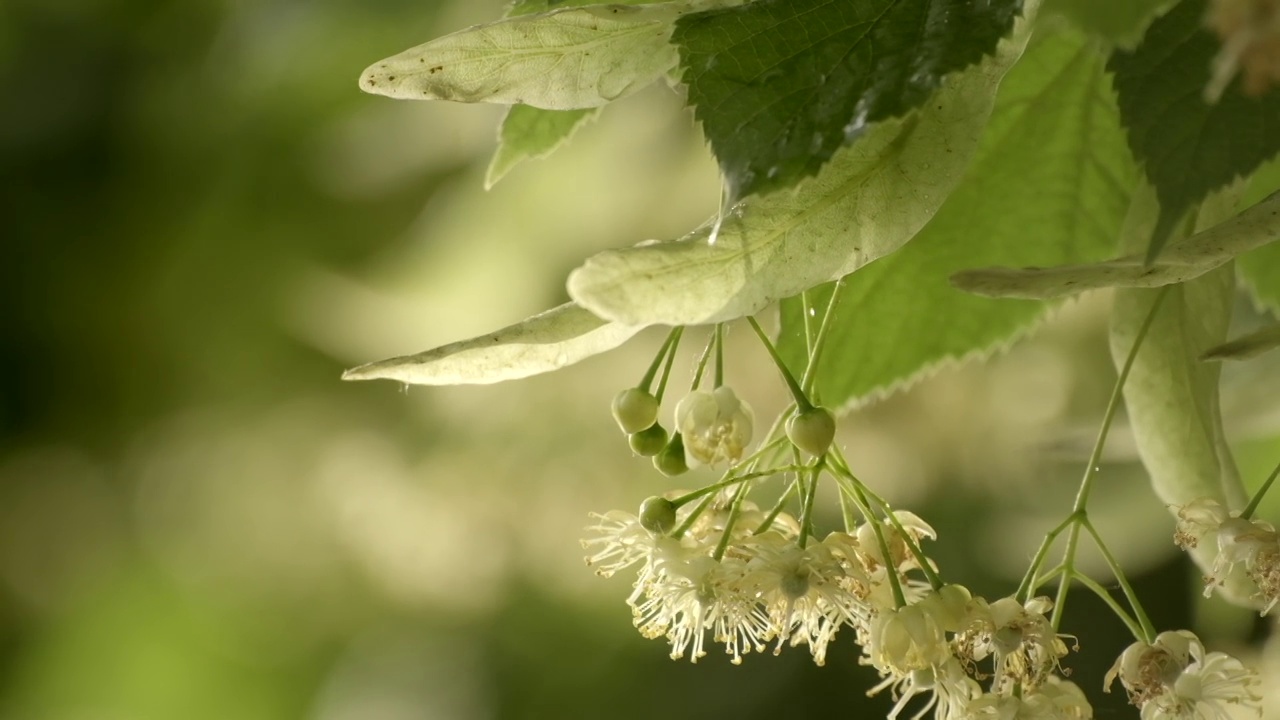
(203, 222)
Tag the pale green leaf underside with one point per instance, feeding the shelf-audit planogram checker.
(1246, 346)
(872, 197)
(1180, 261)
(529, 133)
(560, 60)
(1053, 159)
(548, 341)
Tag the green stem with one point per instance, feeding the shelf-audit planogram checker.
(735, 509)
(1262, 491)
(807, 309)
(855, 490)
(663, 353)
(1031, 581)
(719, 354)
(778, 506)
(1101, 592)
(693, 517)
(1117, 394)
(815, 352)
(731, 480)
(1079, 508)
(702, 362)
(802, 401)
(806, 512)
(673, 344)
(1148, 630)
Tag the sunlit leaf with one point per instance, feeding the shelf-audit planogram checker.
(780, 85)
(1053, 158)
(1182, 260)
(871, 198)
(532, 7)
(561, 60)
(1188, 146)
(1246, 346)
(549, 341)
(529, 133)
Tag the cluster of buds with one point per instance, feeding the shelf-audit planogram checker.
(711, 428)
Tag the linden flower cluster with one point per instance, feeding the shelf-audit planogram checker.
(745, 580)
(1251, 544)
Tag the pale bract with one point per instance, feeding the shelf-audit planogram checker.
(870, 199)
(565, 59)
(548, 341)
(1180, 261)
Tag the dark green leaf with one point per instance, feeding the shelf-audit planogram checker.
(1188, 146)
(530, 133)
(780, 85)
(1051, 182)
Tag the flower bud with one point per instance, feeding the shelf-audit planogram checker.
(670, 461)
(812, 430)
(648, 442)
(635, 410)
(716, 426)
(657, 515)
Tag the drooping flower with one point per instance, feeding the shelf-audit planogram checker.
(1174, 678)
(803, 591)
(900, 556)
(716, 426)
(1024, 647)
(1250, 544)
(1055, 699)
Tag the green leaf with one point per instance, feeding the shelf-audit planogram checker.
(532, 7)
(548, 341)
(532, 133)
(1171, 397)
(1053, 163)
(1182, 260)
(1260, 269)
(561, 60)
(1188, 146)
(871, 198)
(1120, 23)
(780, 85)
(1246, 346)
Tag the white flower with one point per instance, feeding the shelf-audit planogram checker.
(1019, 638)
(1253, 545)
(1056, 699)
(900, 554)
(913, 637)
(690, 594)
(620, 541)
(716, 426)
(803, 591)
(1173, 678)
(950, 690)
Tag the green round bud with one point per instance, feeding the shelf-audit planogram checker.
(670, 461)
(657, 515)
(635, 410)
(812, 430)
(648, 442)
